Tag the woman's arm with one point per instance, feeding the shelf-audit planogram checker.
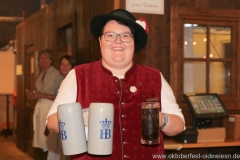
(173, 114)
(174, 126)
(36, 95)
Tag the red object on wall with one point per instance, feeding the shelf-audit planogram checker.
(15, 97)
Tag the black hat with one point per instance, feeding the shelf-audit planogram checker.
(140, 35)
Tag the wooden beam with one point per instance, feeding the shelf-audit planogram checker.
(116, 4)
(10, 19)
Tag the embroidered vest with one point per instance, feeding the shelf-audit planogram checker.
(97, 84)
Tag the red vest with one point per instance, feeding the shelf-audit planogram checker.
(97, 84)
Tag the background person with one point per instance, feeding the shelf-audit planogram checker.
(117, 79)
(67, 63)
(46, 88)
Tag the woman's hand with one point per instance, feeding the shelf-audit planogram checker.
(36, 95)
(85, 117)
(31, 94)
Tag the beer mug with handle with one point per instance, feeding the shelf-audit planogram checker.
(72, 130)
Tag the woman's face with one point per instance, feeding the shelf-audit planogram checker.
(45, 61)
(116, 54)
(65, 67)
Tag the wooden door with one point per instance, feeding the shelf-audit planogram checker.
(30, 104)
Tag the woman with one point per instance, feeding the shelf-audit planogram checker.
(55, 152)
(67, 63)
(46, 88)
(118, 80)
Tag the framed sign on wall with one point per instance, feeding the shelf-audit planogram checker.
(145, 6)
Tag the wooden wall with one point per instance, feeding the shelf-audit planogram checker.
(12, 9)
(87, 46)
(41, 28)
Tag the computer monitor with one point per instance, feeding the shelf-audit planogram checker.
(205, 107)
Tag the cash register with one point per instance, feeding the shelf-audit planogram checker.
(204, 107)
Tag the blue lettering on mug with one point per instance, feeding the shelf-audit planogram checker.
(63, 133)
(105, 133)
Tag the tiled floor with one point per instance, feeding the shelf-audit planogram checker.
(9, 151)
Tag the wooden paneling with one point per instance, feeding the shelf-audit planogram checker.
(87, 46)
(12, 9)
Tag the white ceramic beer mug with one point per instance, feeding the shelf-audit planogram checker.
(71, 127)
(100, 128)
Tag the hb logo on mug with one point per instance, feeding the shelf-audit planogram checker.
(63, 133)
(105, 133)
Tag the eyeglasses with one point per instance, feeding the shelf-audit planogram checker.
(112, 36)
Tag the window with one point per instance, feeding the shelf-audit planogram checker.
(204, 52)
(207, 59)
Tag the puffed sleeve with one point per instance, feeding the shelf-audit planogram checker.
(168, 101)
(66, 93)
